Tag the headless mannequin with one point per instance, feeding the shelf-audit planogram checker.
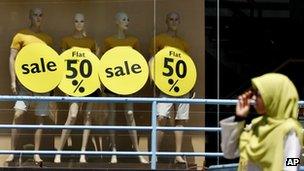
(172, 21)
(35, 16)
(79, 33)
(122, 22)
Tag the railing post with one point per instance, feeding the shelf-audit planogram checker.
(153, 135)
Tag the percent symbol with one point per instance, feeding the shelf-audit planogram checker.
(75, 83)
(174, 86)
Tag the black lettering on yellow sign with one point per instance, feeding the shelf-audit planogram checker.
(38, 67)
(85, 68)
(180, 68)
(123, 70)
(78, 54)
(175, 54)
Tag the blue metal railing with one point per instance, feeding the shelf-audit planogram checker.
(153, 128)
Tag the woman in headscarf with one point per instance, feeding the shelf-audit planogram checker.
(271, 138)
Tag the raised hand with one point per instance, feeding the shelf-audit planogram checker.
(243, 104)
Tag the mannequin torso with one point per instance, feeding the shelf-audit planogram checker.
(165, 39)
(84, 42)
(27, 36)
(114, 41)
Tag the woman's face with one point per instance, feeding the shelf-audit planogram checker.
(173, 21)
(36, 17)
(259, 103)
(79, 22)
(123, 21)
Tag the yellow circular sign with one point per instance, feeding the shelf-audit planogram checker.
(80, 72)
(173, 71)
(38, 67)
(123, 70)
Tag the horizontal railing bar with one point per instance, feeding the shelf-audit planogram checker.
(8, 126)
(82, 127)
(143, 128)
(116, 99)
(210, 154)
(134, 153)
(48, 152)
(209, 129)
(121, 99)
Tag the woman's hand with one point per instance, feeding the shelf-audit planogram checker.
(243, 104)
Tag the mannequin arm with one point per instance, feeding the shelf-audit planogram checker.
(150, 75)
(13, 54)
(97, 50)
(192, 93)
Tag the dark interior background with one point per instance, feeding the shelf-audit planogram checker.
(256, 37)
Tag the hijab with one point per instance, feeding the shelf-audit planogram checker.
(263, 143)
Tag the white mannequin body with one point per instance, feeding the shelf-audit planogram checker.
(172, 21)
(79, 33)
(122, 22)
(35, 16)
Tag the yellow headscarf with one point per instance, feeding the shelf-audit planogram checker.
(263, 144)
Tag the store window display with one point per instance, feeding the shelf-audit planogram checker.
(171, 38)
(33, 34)
(122, 39)
(78, 39)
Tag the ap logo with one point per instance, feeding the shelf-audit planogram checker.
(292, 161)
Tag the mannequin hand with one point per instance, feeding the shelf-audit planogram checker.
(193, 94)
(13, 87)
(243, 104)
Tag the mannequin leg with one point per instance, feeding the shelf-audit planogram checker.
(112, 118)
(66, 132)
(163, 112)
(161, 121)
(38, 134)
(133, 133)
(100, 144)
(86, 133)
(14, 133)
(93, 139)
(100, 119)
(179, 140)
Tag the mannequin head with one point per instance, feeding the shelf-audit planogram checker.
(122, 20)
(172, 21)
(35, 16)
(79, 22)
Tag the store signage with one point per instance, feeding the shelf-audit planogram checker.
(173, 71)
(80, 76)
(123, 70)
(38, 67)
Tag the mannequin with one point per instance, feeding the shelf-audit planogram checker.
(78, 39)
(33, 34)
(121, 39)
(170, 38)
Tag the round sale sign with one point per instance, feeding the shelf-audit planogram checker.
(123, 70)
(38, 67)
(80, 76)
(173, 71)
